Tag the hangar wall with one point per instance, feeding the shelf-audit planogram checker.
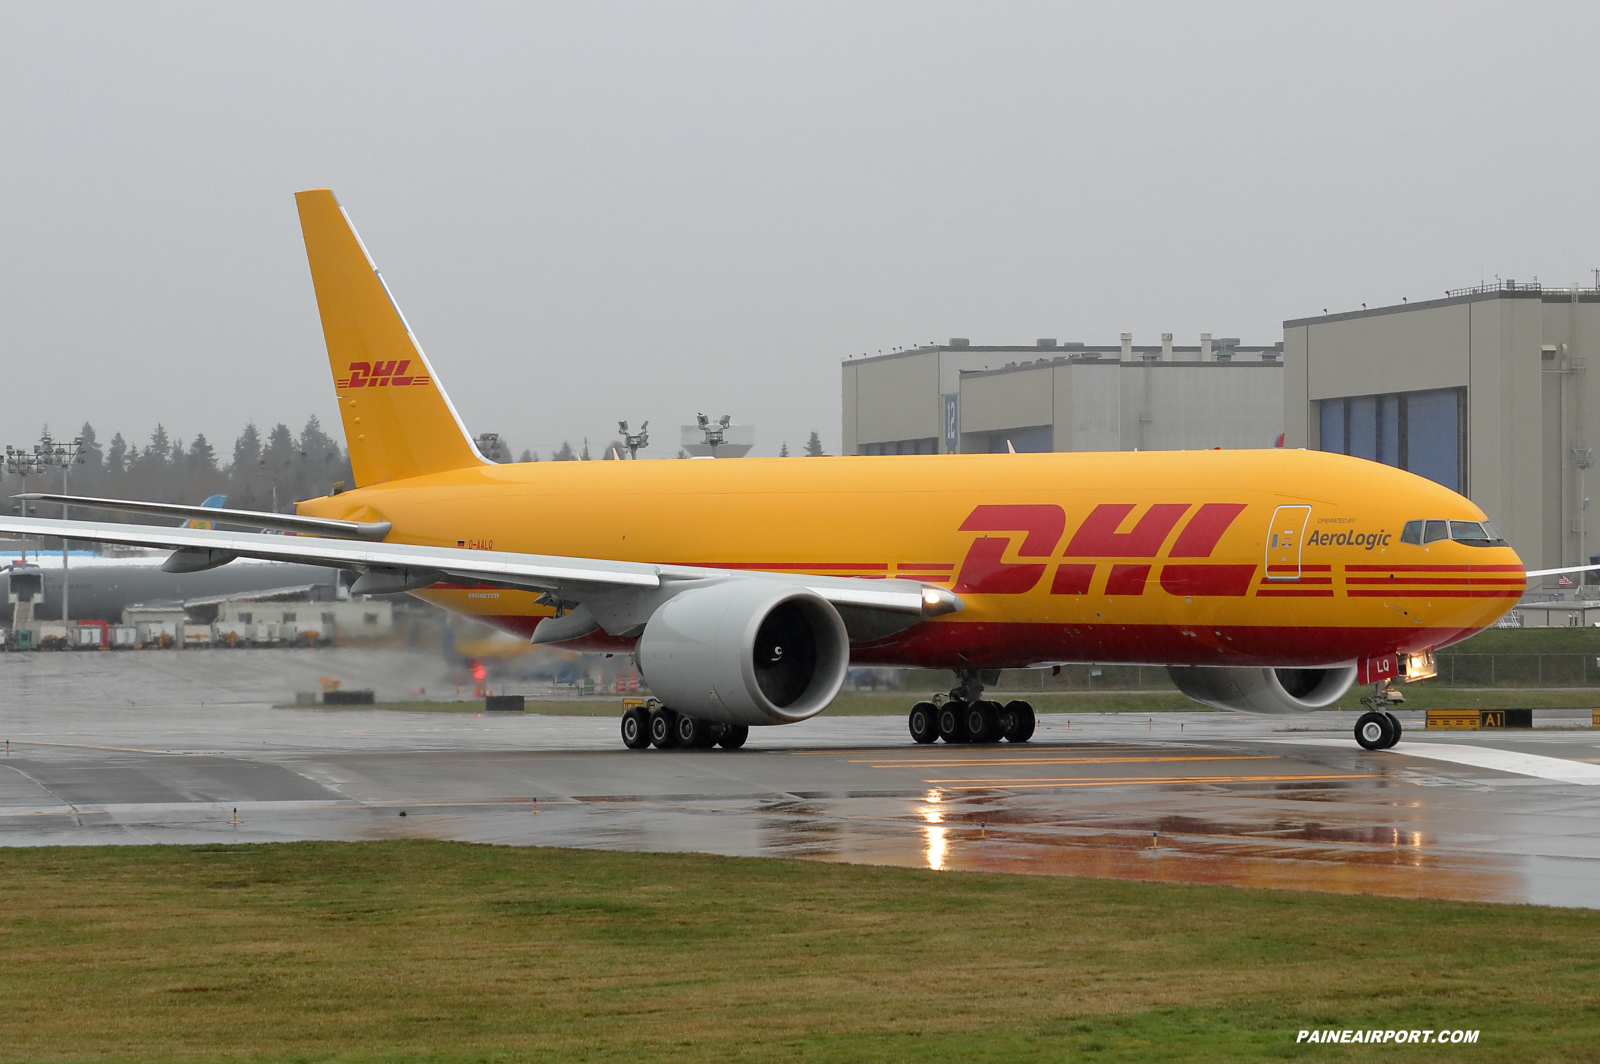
(963, 398)
(1513, 361)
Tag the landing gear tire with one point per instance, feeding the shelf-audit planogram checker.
(923, 722)
(1394, 720)
(733, 736)
(636, 729)
(663, 729)
(693, 733)
(1375, 732)
(953, 722)
(1017, 721)
(983, 722)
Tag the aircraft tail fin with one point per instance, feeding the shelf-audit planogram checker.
(213, 502)
(398, 421)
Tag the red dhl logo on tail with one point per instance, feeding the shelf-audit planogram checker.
(380, 374)
(983, 572)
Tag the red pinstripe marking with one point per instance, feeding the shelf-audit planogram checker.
(1433, 569)
(1432, 593)
(1434, 581)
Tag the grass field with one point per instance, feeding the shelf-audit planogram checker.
(426, 951)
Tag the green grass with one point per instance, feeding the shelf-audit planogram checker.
(1529, 641)
(428, 951)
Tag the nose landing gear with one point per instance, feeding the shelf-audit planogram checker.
(1378, 728)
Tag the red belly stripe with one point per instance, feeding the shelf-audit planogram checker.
(1434, 569)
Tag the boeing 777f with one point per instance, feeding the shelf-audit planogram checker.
(1265, 580)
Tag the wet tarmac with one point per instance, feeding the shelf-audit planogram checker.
(1288, 802)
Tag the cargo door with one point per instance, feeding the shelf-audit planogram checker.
(1285, 539)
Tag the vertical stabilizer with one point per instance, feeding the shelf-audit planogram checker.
(398, 422)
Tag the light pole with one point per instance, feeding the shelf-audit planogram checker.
(52, 452)
(1584, 456)
(713, 430)
(634, 441)
(24, 465)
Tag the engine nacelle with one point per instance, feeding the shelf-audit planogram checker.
(747, 652)
(1264, 690)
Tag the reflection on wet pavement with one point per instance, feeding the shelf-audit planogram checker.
(1287, 803)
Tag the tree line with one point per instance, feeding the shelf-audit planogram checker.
(268, 473)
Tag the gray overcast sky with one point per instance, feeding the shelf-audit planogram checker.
(595, 211)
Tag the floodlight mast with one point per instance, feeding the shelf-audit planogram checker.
(25, 465)
(714, 430)
(635, 441)
(50, 452)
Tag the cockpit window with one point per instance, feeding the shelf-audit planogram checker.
(1472, 533)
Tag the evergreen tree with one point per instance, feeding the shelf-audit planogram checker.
(528, 456)
(159, 451)
(585, 456)
(315, 443)
(323, 463)
(202, 457)
(564, 454)
(246, 451)
(814, 446)
(615, 449)
(94, 458)
(278, 466)
(117, 456)
(783, 451)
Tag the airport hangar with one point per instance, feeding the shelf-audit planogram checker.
(962, 398)
(1485, 391)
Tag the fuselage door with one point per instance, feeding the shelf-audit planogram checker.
(1284, 540)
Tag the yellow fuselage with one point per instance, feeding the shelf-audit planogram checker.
(1269, 557)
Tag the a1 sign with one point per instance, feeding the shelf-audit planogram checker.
(1377, 670)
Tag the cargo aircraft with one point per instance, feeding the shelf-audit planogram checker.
(1263, 580)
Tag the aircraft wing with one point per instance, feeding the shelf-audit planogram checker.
(618, 596)
(294, 523)
(1557, 572)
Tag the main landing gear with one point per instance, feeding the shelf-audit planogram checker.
(647, 723)
(967, 717)
(1378, 728)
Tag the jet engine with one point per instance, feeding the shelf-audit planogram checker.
(1264, 690)
(745, 651)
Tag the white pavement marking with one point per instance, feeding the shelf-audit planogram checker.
(1550, 768)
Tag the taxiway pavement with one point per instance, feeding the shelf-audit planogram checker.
(1286, 802)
